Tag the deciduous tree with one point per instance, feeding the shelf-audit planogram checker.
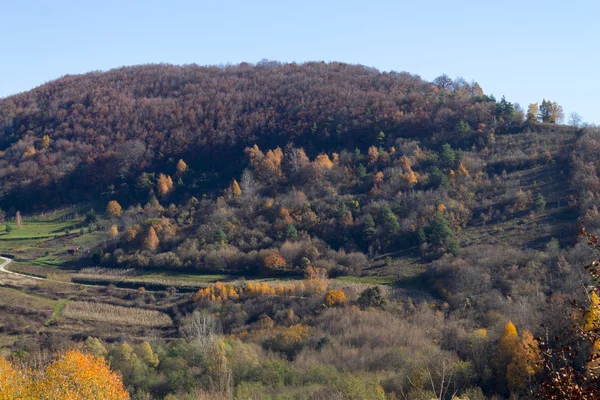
(113, 209)
(335, 297)
(235, 189)
(164, 185)
(151, 241)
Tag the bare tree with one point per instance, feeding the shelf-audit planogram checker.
(200, 327)
(575, 119)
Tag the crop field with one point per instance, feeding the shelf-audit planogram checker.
(111, 314)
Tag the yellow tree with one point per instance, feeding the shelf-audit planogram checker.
(592, 315)
(77, 376)
(532, 113)
(270, 167)
(235, 189)
(113, 209)
(132, 233)
(462, 170)
(372, 155)
(112, 232)
(181, 168)
(14, 384)
(593, 364)
(507, 346)
(526, 362)
(144, 351)
(410, 178)
(151, 241)
(323, 161)
(219, 371)
(164, 185)
(335, 297)
(45, 142)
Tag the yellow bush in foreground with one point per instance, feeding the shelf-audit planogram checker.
(74, 376)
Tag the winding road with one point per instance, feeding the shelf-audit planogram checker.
(7, 261)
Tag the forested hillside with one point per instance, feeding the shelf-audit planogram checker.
(106, 128)
(464, 207)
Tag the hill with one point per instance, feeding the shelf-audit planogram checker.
(459, 210)
(107, 128)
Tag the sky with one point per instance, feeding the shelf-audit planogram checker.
(527, 51)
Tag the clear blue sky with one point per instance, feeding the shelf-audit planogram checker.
(522, 49)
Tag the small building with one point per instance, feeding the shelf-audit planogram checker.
(73, 249)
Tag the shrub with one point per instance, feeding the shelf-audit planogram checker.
(335, 297)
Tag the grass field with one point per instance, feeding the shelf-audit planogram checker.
(13, 297)
(370, 280)
(37, 230)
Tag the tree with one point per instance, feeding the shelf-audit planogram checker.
(441, 234)
(462, 129)
(146, 354)
(526, 361)
(390, 224)
(323, 160)
(45, 142)
(507, 347)
(505, 110)
(371, 297)
(448, 156)
(132, 233)
(372, 155)
(14, 384)
(335, 297)
(443, 82)
(273, 261)
(151, 241)
(591, 318)
(575, 119)
(551, 112)
(164, 185)
(235, 189)
(219, 371)
(532, 113)
(113, 209)
(112, 232)
(73, 376)
(181, 168)
(18, 219)
(80, 376)
(540, 203)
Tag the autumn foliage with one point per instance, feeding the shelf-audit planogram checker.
(113, 209)
(73, 376)
(151, 241)
(335, 297)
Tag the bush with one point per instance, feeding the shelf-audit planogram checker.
(371, 297)
(335, 297)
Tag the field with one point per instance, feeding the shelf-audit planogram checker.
(86, 311)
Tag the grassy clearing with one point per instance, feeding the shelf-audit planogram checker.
(14, 297)
(370, 280)
(186, 277)
(37, 230)
(107, 313)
